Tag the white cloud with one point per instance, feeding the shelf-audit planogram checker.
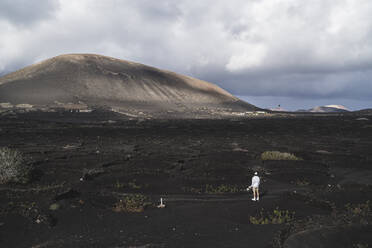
(246, 56)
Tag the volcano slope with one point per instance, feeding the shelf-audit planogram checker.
(107, 82)
(98, 178)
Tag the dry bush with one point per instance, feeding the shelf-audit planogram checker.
(134, 203)
(13, 167)
(355, 213)
(276, 155)
(277, 217)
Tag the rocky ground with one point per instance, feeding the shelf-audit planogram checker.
(97, 180)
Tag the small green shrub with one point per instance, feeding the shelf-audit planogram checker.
(276, 155)
(54, 206)
(134, 203)
(277, 217)
(13, 167)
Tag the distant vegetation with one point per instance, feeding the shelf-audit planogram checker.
(13, 167)
(276, 155)
(130, 185)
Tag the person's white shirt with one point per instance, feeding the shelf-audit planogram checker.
(255, 182)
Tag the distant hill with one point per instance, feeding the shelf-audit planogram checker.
(326, 109)
(279, 109)
(365, 111)
(98, 80)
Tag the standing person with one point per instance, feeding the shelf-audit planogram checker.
(255, 184)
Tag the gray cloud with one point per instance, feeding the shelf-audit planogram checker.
(288, 48)
(25, 12)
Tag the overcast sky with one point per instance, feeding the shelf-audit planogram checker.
(295, 53)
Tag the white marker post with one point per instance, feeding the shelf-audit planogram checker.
(161, 204)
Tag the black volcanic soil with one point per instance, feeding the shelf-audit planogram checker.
(185, 161)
